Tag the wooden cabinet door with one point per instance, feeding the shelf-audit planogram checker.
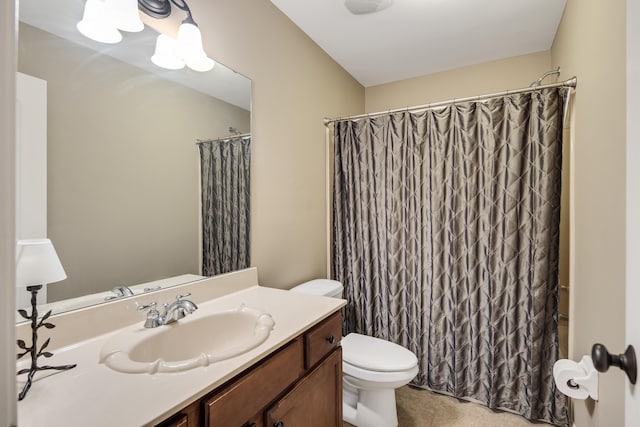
(242, 402)
(316, 401)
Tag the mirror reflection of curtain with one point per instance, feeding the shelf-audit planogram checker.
(446, 237)
(225, 179)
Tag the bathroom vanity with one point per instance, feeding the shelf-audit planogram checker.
(293, 378)
(299, 385)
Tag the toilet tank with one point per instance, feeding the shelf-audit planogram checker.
(324, 287)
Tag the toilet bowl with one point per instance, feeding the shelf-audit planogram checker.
(372, 369)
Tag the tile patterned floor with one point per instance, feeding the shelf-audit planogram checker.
(422, 408)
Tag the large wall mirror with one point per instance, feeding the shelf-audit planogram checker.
(123, 194)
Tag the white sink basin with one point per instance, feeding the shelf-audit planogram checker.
(196, 340)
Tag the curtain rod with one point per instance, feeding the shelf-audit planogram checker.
(226, 138)
(572, 83)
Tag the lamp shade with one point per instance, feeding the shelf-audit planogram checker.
(200, 63)
(97, 23)
(37, 263)
(166, 54)
(190, 45)
(125, 15)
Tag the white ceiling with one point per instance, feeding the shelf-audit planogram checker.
(418, 37)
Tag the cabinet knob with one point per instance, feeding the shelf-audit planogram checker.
(279, 424)
(330, 339)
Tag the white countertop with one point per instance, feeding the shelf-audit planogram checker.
(92, 394)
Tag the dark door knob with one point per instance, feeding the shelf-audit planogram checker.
(279, 424)
(626, 361)
(330, 339)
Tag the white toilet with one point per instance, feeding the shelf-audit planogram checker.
(372, 369)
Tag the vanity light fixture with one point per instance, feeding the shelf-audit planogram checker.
(37, 263)
(103, 20)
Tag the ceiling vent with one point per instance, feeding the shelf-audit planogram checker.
(362, 7)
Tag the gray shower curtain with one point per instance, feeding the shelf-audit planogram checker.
(446, 234)
(225, 179)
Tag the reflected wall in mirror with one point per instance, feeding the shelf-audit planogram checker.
(122, 162)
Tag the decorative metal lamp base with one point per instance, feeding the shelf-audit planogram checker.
(33, 349)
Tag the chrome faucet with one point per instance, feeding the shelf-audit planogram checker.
(178, 309)
(122, 291)
(119, 291)
(172, 312)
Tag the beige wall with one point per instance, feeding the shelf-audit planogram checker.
(295, 85)
(591, 44)
(495, 76)
(122, 165)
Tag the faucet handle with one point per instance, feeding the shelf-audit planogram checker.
(152, 306)
(153, 317)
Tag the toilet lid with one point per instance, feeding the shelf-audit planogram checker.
(375, 354)
(324, 287)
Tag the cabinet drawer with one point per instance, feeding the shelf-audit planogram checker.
(180, 420)
(322, 338)
(187, 417)
(243, 399)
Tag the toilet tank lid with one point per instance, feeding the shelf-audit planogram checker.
(376, 354)
(325, 287)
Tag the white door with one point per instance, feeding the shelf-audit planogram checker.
(632, 401)
(31, 167)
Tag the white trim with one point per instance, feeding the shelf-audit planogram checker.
(572, 239)
(632, 292)
(8, 55)
(328, 181)
(200, 222)
(572, 226)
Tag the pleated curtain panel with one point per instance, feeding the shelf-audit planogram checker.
(225, 180)
(446, 237)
